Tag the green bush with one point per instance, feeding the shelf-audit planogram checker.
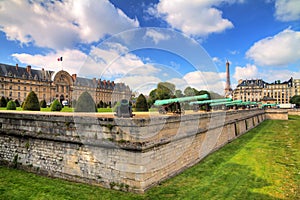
(11, 105)
(31, 102)
(43, 104)
(141, 103)
(56, 106)
(85, 103)
(17, 103)
(3, 102)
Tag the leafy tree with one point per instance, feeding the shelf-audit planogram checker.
(31, 102)
(56, 105)
(152, 98)
(141, 103)
(105, 105)
(100, 104)
(295, 100)
(85, 103)
(43, 104)
(3, 102)
(165, 90)
(178, 93)
(11, 105)
(189, 91)
(17, 103)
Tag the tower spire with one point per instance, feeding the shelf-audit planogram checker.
(228, 90)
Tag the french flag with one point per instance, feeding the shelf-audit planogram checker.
(59, 59)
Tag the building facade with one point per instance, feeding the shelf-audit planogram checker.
(257, 89)
(16, 82)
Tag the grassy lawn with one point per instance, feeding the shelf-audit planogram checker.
(262, 164)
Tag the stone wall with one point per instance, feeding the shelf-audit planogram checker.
(121, 153)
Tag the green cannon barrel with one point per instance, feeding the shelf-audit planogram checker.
(210, 101)
(179, 100)
(231, 103)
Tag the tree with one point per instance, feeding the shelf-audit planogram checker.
(152, 98)
(165, 90)
(188, 91)
(295, 100)
(100, 104)
(3, 102)
(43, 104)
(31, 102)
(17, 103)
(56, 105)
(11, 105)
(178, 93)
(85, 103)
(141, 103)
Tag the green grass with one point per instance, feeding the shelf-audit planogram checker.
(262, 164)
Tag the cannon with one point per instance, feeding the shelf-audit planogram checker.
(124, 109)
(206, 103)
(174, 106)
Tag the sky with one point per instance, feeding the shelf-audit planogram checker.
(144, 42)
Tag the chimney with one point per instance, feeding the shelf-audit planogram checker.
(17, 66)
(28, 69)
(74, 76)
(94, 80)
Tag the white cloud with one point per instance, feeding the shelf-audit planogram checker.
(283, 75)
(73, 60)
(156, 36)
(61, 24)
(140, 84)
(287, 10)
(216, 60)
(193, 17)
(211, 81)
(279, 50)
(114, 60)
(247, 72)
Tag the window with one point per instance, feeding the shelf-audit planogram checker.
(19, 87)
(10, 87)
(24, 89)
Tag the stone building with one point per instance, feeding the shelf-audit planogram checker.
(16, 82)
(257, 89)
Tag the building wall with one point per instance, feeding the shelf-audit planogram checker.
(127, 154)
(16, 83)
(255, 90)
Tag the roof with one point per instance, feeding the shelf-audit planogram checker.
(24, 73)
(253, 82)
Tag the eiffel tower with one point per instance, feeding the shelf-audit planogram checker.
(227, 90)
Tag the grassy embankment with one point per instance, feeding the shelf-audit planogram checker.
(262, 164)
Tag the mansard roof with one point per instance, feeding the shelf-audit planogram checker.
(261, 83)
(253, 82)
(24, 73)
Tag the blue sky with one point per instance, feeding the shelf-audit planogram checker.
(142, 43)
